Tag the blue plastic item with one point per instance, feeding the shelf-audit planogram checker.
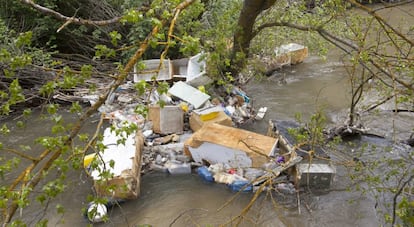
(239, 184)
(242, 94)
(205, 174)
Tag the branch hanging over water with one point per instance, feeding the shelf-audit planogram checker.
(23, 178)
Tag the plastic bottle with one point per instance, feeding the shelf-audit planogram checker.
(239, 185)
(205, 174)
(96, 212)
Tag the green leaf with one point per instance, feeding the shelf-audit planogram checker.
(52, 108)
(4, 55)
(24, 39)
(42, 223)
(153, 43)
(20, 124)
(115, 36)
(163, 87)
(25, 147)
(48, 88)
(27, 112)
(141, 87)
(41, 198)
(103, 51)
(112, 163)
(131, 16)
(4, 129)
(86, 71)
(155, 22)
(60, 209)
(75, 108)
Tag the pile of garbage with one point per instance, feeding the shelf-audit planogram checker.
(191, 132)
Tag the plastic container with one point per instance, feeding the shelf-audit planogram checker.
(96, 212)
(239, 185)
(205, 174)
(178, 168)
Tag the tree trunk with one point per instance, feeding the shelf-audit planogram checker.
(244, 33)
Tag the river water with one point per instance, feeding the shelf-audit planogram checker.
(186, 200)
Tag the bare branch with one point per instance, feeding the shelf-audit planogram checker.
(320, 30)
(21, 154)
(394, 205)
(381, 20)
(392, 5)
(337, 41)
(69, 20)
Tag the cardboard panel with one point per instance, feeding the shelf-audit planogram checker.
(256, 146)
(222, 118)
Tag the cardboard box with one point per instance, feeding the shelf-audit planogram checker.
(167, 120)
(295, 53)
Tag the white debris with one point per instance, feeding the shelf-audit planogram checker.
(97, 212)
(261, 113)
(189, 94)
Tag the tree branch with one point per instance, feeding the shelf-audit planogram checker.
(9, 212)
(394, 205)
(332, 38)
(21, 154)
(381, 20)
(68, 20)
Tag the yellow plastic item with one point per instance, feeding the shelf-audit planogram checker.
(209, 116)
(202, 89)
(88, 159)
(184, 106)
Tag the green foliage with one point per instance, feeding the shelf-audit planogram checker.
(405, 211)
(219, 23)
(6, 165)
(115, 37)
(4, 129)
(310, 133)
(104, 51)
(132, 16)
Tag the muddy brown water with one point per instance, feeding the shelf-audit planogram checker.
(186, 200)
